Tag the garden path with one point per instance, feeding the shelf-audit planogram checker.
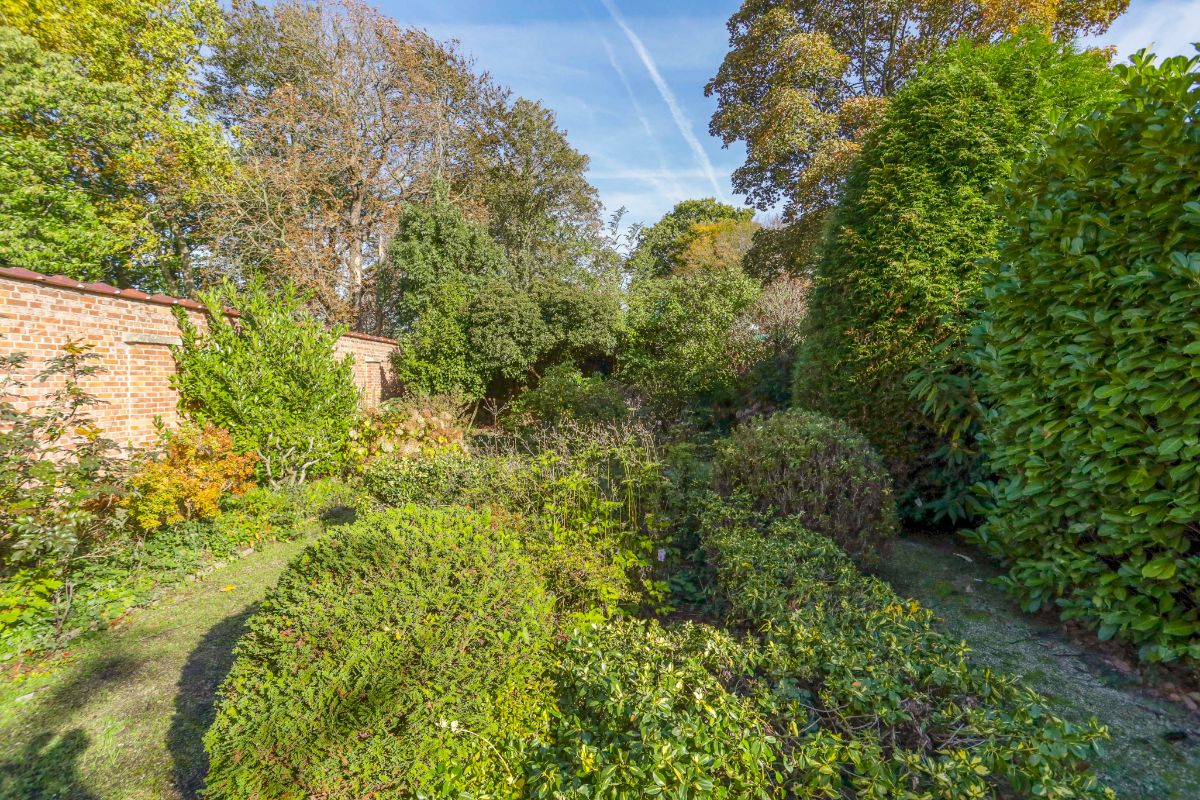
(1155, 747)
(124, 718)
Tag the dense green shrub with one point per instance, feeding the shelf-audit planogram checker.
(678, 344)
(901, 264)
(470, 320)
(647, 712)
(565, 395)
(884, 705)
(804, 464)
(1088, 354)
(271, 377)
(385, 663)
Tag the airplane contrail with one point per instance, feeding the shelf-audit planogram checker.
(641, 115)
(681, 121)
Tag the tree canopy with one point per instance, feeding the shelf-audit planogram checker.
(804, 80)
(659, 249)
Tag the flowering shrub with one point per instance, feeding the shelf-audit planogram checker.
(198, 467)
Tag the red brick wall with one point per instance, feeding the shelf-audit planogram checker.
(132, 333)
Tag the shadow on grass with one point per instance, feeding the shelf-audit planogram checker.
(46, 769)
(195, 700)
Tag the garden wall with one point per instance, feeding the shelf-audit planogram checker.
(132, 332)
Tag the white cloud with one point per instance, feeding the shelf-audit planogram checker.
(1165, 27)
(681, 120)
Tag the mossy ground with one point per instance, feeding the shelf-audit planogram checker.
(1155, 747)
(124, 716)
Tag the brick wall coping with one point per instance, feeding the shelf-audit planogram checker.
(63, 282)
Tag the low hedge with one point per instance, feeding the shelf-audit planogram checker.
(385, 663)
(817, 469)
(891, 707)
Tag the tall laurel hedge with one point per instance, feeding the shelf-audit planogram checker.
(901, 264)
(1091, 364)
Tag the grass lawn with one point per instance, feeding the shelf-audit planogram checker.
(124, 718)
(1155, 747)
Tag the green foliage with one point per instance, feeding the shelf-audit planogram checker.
(902, 262)
(196, 468)
(677, 344)
(140, 159)
(59, 487)
(659, 249)
(472, 323)
(271, 378)
(589, 504)
(869, 699)
(1088, 359)
(420, 635)
(409, 426)
(62, 136)
(647, 712)
(564, 395)
(805, 465)
(133, 572)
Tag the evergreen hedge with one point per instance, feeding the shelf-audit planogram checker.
(1090, 377)
(900, 266)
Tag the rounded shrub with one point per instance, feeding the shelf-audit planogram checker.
(804, 464)
(389, 658)
(1088, 356)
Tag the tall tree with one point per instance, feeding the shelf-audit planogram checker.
(658, 249)
(804, 80)
(154, 49)
(342, 116)
(63, 141)
(901, 270)
(533, 184)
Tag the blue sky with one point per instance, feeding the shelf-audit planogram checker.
(627, 78)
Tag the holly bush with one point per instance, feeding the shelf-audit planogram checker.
(804, 464)
(386, 662)
(901, 263)
(1090, 380)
